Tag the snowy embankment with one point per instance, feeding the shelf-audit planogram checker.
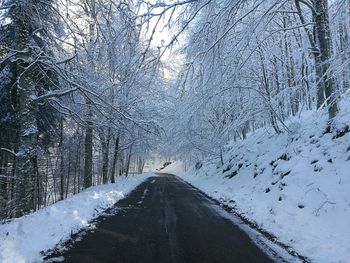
(294, 185)
(23, 239)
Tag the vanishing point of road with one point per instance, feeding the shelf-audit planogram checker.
(164, 220)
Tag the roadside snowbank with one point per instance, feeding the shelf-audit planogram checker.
(296, 186)
(22, 239)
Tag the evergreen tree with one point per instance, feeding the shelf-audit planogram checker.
(27, 122)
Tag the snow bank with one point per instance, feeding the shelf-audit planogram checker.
(296, 185)
(22, 239)
(176, 167)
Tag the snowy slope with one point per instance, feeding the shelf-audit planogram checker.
(24, 238)
(295, 185)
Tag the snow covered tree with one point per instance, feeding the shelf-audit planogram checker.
(27, 29)
(252, 64)
(321, 44)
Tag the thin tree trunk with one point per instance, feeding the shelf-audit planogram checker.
(3, 185)
(88, 155)
(115, 159)
(268, 94)
(60, 146)
(128, 162)
(105, 156)
(88, 167)
(68, 173)
(344, 48)
(46, 180)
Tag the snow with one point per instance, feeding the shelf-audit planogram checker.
(276, 252)
(22, 239)
(294, 185)
(176, 167)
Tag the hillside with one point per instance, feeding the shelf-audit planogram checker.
(295, 185)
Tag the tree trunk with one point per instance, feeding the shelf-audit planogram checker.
(128, 162)
(88, 156)
(140, 166)
(88, 168)
(321, 49)
(68, 172)
(268, 96)
(28, 144)
(60, 146)
(3, 185)
(115, 160)
(105, 156)
(323, 34)
(344, 49)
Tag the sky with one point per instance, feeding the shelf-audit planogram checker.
(162, 36)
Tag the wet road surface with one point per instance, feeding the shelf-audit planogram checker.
(164, 220)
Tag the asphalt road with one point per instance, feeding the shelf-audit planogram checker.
(164, 220)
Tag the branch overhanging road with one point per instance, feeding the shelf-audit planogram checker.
(164, 220)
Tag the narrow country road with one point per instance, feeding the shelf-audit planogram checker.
(164, 221)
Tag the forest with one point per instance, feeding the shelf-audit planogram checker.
(92, 89)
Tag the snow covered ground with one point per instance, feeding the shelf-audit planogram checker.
(295, 185)
(22, 239)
